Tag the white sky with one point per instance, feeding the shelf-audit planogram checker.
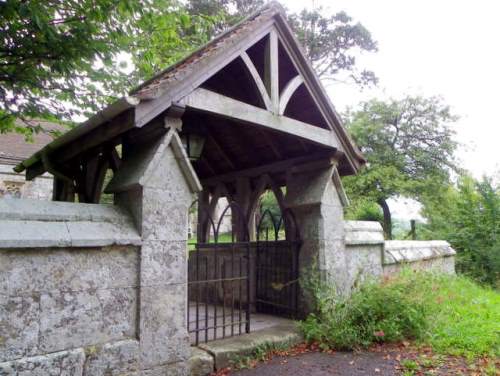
(433, 47)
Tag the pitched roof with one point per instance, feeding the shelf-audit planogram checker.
(154, 85)
(178, 80)
(14, 147)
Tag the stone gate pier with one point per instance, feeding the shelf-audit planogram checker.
(89, 289)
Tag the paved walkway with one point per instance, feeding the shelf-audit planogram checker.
(230, 323)
(323, 364)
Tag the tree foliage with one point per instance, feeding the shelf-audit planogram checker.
(468, 216)
(409, 146)
(60, 58)
(332, 43)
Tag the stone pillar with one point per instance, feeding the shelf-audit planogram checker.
(317, 205)
(157, 184)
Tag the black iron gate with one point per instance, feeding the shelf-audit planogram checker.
(277, 264)
(218, 280)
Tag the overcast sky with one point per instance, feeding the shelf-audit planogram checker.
(434, 47)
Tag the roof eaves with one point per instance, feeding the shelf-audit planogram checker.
(100, 117)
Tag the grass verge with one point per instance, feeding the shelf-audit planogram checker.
(450, 313)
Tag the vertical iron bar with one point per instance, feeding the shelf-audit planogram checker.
(215, 287)
(197, 295)
(239, 302)
(232, 290)
(207, 285)
(247, 326)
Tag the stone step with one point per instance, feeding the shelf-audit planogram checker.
(222, 353)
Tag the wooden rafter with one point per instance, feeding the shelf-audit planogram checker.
(207, 165)
(267, 139)
(258, 81)
(271, 72)
(221, 151)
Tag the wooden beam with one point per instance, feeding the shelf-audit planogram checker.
(114, 160)
(260, 187)
(276, 167)
(271, 144)
(221, 151)
(207, 165)
(90, 140)
(208, 101)
(288, 91)
(271, 73)
(258, 81)
(120, 124)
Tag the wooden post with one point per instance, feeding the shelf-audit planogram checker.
(203, 226)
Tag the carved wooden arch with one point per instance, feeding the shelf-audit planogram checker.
(290, 88)
(264, 182)
(209, 203)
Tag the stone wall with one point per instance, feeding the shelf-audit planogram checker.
(368, 255)
(68, 289)
(364, 248)
(434, 255)
(14, 185)
(90, 289)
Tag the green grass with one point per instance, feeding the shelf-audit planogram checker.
(464, 318)
(450, 313)
(223, 238)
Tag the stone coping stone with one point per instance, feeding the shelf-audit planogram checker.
(56, 211)
(226, 351)
(404, 251)
(363, 232)
(43, 224)
(363, 226)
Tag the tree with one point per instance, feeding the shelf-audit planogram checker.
(60, 59)
(467, 215)
(330, 41)
(409, 147)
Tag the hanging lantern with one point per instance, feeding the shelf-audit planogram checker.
(193, 144)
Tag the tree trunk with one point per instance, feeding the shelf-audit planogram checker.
(387, 218)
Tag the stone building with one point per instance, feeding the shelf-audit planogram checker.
(93, 289)
(14, 148)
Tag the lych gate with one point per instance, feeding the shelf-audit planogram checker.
(241, 115)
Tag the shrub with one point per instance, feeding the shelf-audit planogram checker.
(451, 313)
(374, 313)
